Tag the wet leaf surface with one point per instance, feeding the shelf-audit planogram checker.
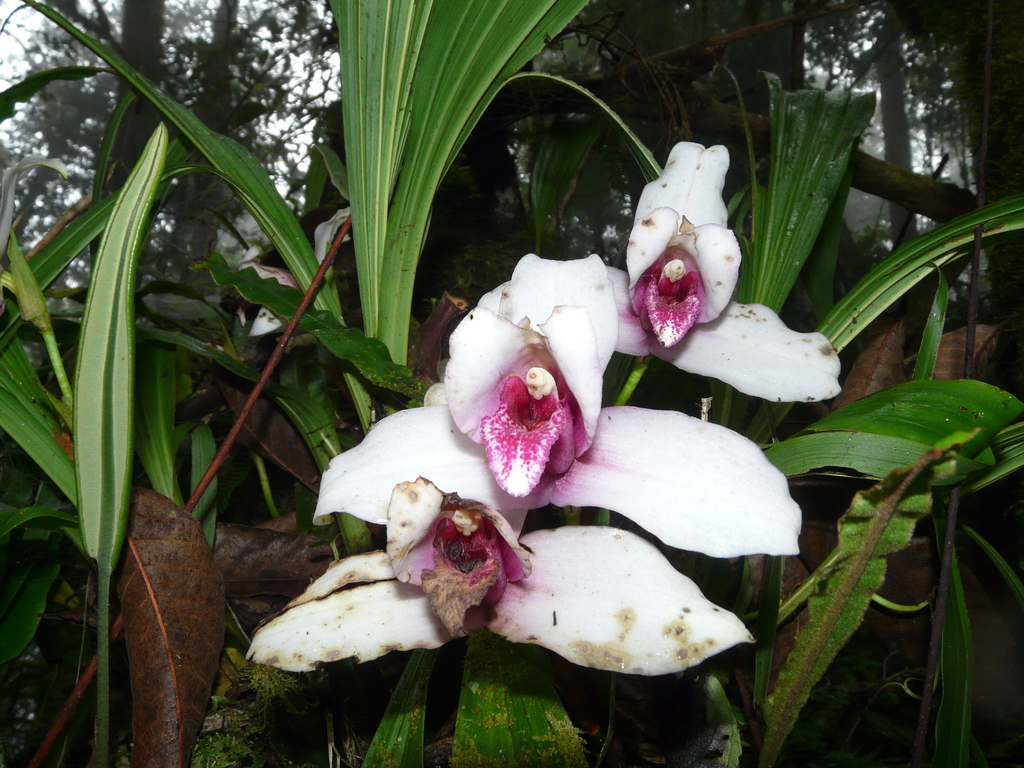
(172, 597)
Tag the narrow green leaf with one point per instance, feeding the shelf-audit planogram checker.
(42, 517)
(953, 722)
(813, 134)
(20, 617)
(398, 742)
(154, 416)
(1009, 575)
(880, 521)
(249, 179)
(929, 350)
(914, 261)
(31, 85)
(107, 145)
(767, 620)
(335, 169)
(200, 347)
(203, 449)
(819, 270)
(26, 416)
(648, 165)
(104, 378)
(509, 710)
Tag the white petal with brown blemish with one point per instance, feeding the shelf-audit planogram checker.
(691, 184)
(750, 348)
(363, 621)
(607, 599)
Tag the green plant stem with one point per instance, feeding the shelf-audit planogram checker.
(639, 369)
(896, 606)
(261, 470)
(808, 588)
(57, 363)
(101, 756)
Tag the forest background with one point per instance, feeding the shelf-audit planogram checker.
(543, 171)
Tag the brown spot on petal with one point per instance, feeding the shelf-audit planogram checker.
(647, 222)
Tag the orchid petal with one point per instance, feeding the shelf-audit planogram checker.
(691, 185)
(717, 254)
(539, 285)
(264, 323)
(693, 484)
(492, 299)
(324, 233)
(607, 599)
(749, 347)
(414, 509)
(330, 622)
(485, 348)
(419, 442)
(572, 342)
(633, 338)
(648, 240)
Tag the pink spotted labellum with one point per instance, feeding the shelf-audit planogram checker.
(601, 597)
(523, 427)
(675, 302)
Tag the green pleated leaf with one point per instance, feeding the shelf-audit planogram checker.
(953, 722)
(1011, 578)
(99, 175)
(40, 517)
(819, 270)
(509, 710)
(417, 76)
(31, 85)
(767, 620)
(204, 349)
(929, 350)
(813, 135)
(563, 151)
(154, 416)
(398, 742)
(880, 521)
(231, 160)
(914, 261)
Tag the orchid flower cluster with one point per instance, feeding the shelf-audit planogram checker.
(520, 425)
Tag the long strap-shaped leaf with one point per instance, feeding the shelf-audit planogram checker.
(104, 382)
(230, 158)
(410, 103)
(813, 134)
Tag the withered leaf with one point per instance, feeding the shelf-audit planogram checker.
(949, 361)
(879, 364)
(172, 598)
(273, 436)
(261, 561)
(433, 335)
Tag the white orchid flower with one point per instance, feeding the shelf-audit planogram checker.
(523, 427)
(266, 321)
(600, 597)
(675, 302)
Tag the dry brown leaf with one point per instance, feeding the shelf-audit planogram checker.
(879, 364)
(172, 598)
(260, 561)
(433, 335)
(949, 362)
(272, 435)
